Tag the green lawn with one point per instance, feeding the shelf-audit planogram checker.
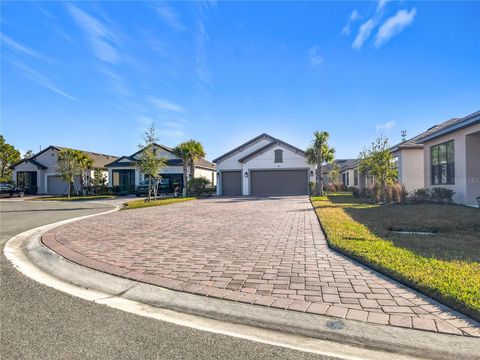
(75, 198)
(137, 204)
(445, 266)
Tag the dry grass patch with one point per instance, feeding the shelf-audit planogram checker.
(445, 265)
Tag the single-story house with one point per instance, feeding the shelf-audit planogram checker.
(124, 175)
(451, 157)
(38, 174)
(264, 166)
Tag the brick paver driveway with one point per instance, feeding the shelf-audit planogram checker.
(265, 251)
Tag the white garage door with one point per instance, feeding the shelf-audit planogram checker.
(56, 185)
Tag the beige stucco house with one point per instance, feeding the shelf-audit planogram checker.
(451, 156)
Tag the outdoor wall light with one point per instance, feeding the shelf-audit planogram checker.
(311, 172)
(246, 173)
(218, 173)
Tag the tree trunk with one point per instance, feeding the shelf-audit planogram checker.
(149, 189)
(185, 178)
(69, 187)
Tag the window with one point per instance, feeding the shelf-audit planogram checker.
(443, 163)
(355, 177)
(348, 179)
(278, 156)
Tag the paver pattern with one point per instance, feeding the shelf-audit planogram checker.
(263, 251)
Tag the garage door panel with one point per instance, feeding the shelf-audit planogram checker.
(279, 182)
(231, 183)
(57, 186)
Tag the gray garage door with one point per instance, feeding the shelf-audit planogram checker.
(231, 183)
(56, 186)
(279, 182)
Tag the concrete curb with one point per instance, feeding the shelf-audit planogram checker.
(105, 288)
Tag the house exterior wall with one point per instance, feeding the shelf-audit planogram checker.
(460, 187)
(410, 169)
(210, 175)
(266, 160)
(263, 161)
(473, 168)
(351, 178)
(231, 162)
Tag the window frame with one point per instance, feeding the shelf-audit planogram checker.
(278, 156)
(442, 163)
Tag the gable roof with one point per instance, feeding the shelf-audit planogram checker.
(244, 145)
(268, 146)
(446, 127)
(99, 160)
(450, 126)
(130, 160)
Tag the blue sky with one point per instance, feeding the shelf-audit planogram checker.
(93, 75)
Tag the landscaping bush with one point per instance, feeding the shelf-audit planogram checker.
(311, 187)
(437, 194)
(356, 192)
(440, 194)
(197, 186)
(420, 195)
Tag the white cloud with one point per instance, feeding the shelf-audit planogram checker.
(100, 37)
(315, 58)
(353, 17)
(42, 80)
(389, 125)
(394, 25)
(363, 33)
(22, 49)
(202, 69)
(168, 16)
(164, 104)
(381, 4)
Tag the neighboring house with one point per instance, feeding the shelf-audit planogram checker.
(124, 175)
(264, 166)
(349, 173)
(409, 158)
(451, 153)
(38, 174)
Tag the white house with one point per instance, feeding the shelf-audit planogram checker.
(264, 166)
(124, 175)
(38, 174)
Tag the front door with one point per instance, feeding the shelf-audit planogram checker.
(124, 181)
(27, 181)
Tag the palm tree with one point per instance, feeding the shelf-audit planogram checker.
(189, 151)
(85, 162)
(318, 154)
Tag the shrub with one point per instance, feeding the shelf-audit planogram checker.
(420, 195)
(197, 186)
(311, 187)
(440, 194)
(356, 192)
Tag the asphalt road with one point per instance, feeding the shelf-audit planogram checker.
(37, 322)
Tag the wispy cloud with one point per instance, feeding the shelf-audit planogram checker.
(389, 125)
(164, 104)
(168, 16)
(315, 58)
(100, 37)
(22, 49)
(41, 79)
(381, 4)
(363, 33)
(394, 25)
(353, 17)
(202, 69)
